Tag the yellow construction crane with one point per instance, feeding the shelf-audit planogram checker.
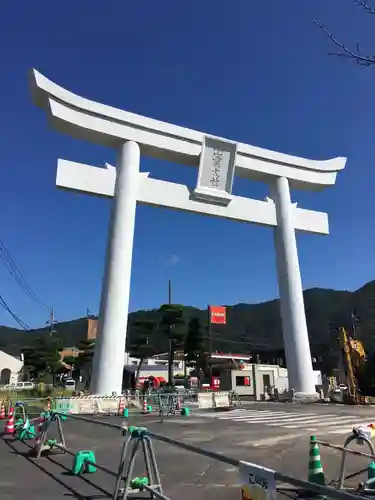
(353, 357)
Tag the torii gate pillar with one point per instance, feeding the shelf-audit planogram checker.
(295, 335)
(108, 363)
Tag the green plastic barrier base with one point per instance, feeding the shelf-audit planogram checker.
(28, 433)
(184, 412)
(137, 431)
(138, 482)
(81, 464)
(20, 423)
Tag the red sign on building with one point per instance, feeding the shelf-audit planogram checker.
(218, 315)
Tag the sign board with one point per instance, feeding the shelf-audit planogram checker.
(258, 483)
(218, 315)
(216, 171)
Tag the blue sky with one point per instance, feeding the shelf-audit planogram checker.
(254, 71)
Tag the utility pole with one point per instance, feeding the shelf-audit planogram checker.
(169, 292)
(354, 323)
(51, 321)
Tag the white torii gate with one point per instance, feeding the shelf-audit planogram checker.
(217, 160)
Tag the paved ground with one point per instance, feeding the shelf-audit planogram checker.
(247, 434)
(325, 420)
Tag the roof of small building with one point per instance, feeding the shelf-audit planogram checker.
(148, 368)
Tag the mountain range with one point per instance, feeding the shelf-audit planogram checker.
(250, 328)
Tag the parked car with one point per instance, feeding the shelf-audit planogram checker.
(70, 383)
(18, 386)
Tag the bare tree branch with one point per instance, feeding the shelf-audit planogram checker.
(345, 51)
(365, 5)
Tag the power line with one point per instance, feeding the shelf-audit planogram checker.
(248, 343)
(14, 316)
(15, 272)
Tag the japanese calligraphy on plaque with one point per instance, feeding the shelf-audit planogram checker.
(217, 158)
(216, 170)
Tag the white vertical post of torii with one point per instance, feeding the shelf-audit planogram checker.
(217, 160)
(114, 305)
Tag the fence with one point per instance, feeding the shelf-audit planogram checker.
(160, 400)
(138, 442)
(90, 404)
(204, 399)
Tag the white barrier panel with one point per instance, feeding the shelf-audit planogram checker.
(89, 404)
(221, 399)
(205, 400)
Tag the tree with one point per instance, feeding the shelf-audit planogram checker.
(344, 50)
(43, 358)
(83, 362)
(194, 346)
(172, 324)
(69, 360)
(142, 347)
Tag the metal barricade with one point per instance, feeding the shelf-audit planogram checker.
(167, 404)
(361, 436)
(34, 404)
(234, 400)
(136, 440)
(189, 397)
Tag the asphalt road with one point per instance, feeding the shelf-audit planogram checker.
(260, 433)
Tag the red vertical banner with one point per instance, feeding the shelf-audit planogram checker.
(218, 315)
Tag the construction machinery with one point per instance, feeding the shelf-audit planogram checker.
(354, 370)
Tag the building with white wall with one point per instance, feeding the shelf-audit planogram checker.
(10, 368)
(255, 380)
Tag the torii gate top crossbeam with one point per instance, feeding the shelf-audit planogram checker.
(102, 124)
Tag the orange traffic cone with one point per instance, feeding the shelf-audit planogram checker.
(48, 405)
(178, 405)
(41, 423)
(2, 411)
(9, 425)
(121, 407)
(145, 406)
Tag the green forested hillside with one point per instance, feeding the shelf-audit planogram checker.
(250, 328)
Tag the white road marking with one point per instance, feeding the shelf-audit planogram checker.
(340, 420)
(277, 439)
(251, 412)
(330, 423)
(326, 423)
(298, 416)
(256, 417)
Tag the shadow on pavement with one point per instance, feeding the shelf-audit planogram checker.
(66, 472)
